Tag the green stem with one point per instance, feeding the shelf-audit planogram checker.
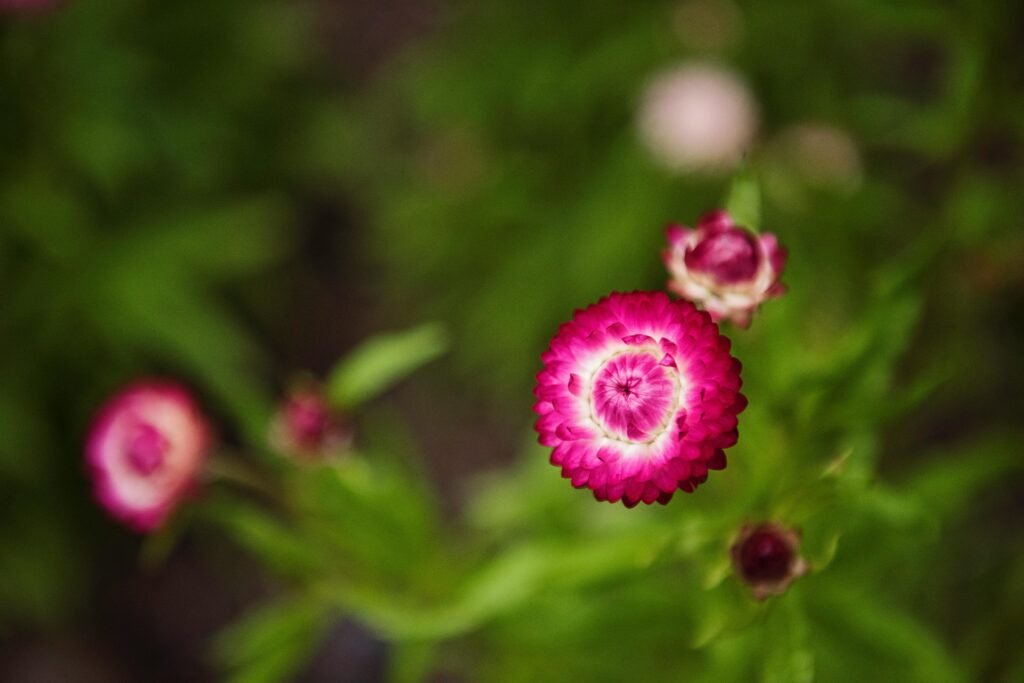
(743, 200)
(234, 470)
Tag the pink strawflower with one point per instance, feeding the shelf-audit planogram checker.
(144, 450)
(307, 427)
(766, 557)
(723, 267)
(638, 397)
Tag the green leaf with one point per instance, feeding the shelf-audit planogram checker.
(38, 560)
(143, 304)
(500, 585)
(744, 200)
(367, 514)
(947, 483)
(270, 643)
(882, 635)
(220, 241)
(789, 658)
(382, 361)
(268, 538)
(411, 661)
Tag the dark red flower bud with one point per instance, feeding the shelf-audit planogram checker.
(766, 557)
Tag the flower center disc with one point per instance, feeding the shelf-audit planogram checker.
(146, 449)
(634, 397)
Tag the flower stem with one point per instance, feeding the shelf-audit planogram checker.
(743, 200)
(233, 470)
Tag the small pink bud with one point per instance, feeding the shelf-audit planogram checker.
(144, 449)
(723, 267)
(767, 558)
(307, 427)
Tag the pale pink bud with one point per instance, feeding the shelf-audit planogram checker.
(697, 117)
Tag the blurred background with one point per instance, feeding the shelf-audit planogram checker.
(236, 192)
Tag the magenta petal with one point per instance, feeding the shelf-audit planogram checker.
(616, 330)
(677, 234)
(774, 252)
(715, 221)
(727, 257)
(651, 493)
(717, 461)
(637, 339)
(580, 477)
(549, 439)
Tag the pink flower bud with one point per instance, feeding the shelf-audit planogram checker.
(144, 450)
(307, 427)
(767, 558)
(725, 268)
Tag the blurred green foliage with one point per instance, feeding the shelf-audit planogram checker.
(139, 183)
(151, 159)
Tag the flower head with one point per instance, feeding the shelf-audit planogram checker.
(306, 426)
(638, 398)
(144, 449)
(725, 268)
(767, 558)
(697, 116)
